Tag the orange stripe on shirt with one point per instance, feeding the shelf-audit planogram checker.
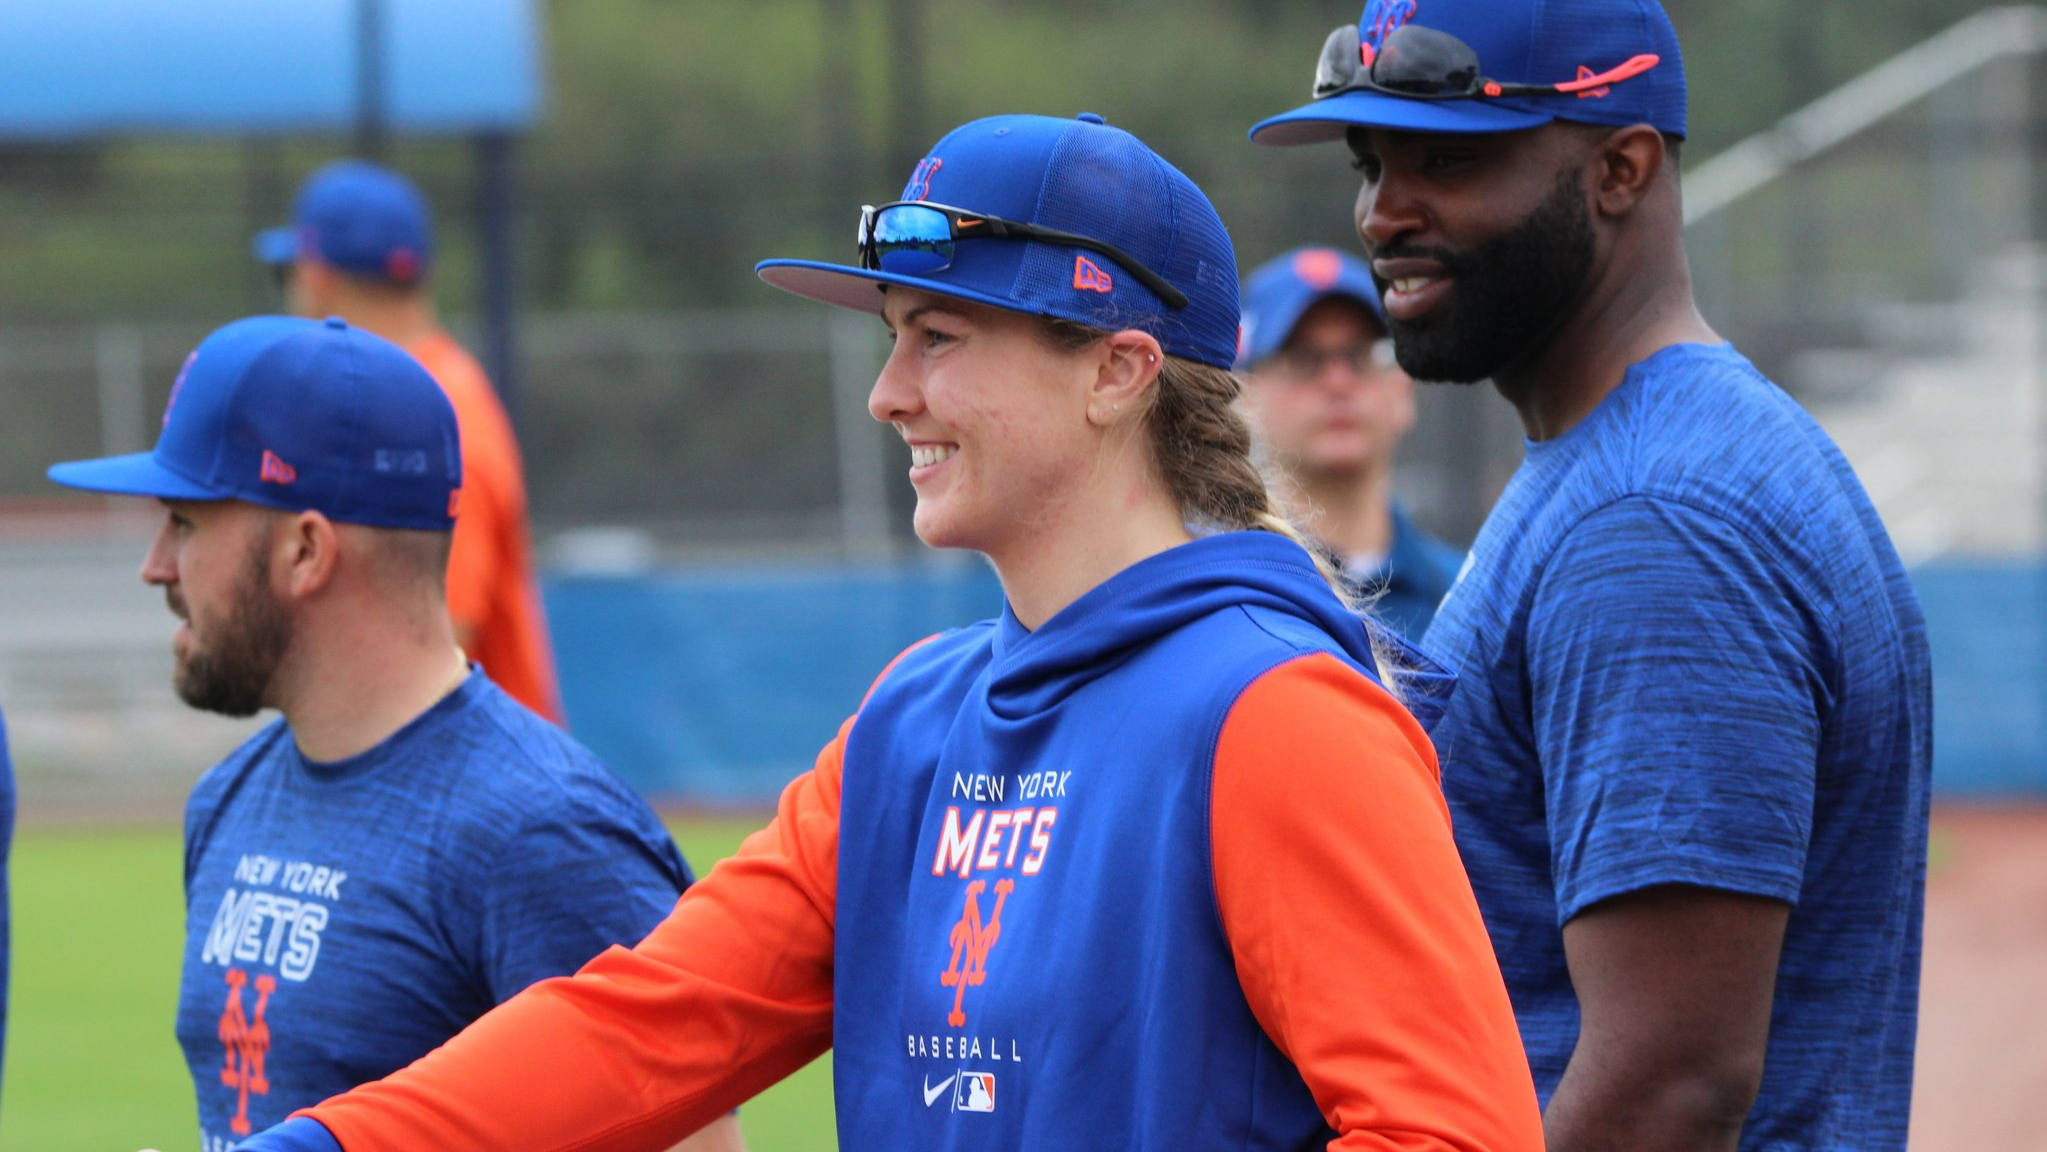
(1356, 936)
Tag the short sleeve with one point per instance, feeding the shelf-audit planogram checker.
(570, 885)
(1676, 682)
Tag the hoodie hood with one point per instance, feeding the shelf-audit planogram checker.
(1034, 671)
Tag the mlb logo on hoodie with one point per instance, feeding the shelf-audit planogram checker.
(976, 1092)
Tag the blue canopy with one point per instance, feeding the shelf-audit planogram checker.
(72, 68)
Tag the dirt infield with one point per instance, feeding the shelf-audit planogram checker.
(1982, 1070)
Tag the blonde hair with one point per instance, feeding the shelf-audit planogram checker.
(1201, 447)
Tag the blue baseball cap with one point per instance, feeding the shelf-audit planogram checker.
(1079, 176)
(359, 217)
(300, 415)
(1516, 42)
(1283, 288)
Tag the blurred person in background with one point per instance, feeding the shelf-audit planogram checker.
(407, 845)
(360, 246)
(1690, 748)
(1101, 872)
(1329, 407)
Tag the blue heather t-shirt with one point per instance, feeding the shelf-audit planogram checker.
(1689, 654)
(343, 919)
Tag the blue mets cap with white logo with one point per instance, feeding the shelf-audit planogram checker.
(360, 217)
(1283, 288)
(1072, 219)
(300, 415)
(1492, 66)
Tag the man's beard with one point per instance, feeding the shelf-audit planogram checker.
(232, 675)
(1510, 292)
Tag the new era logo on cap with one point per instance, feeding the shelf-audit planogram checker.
(1088, 276)
(276, 471)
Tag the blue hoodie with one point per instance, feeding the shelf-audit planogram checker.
(1025, 854)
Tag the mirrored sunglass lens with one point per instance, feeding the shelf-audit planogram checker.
(912, 240)
(1424, 61)
(1339, 65)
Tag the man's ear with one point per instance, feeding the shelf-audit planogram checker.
(305, 552)
(1627, 162)
(1128, 366)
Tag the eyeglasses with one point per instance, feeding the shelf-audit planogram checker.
(1360, 359)
(916, 237)
(1425, 64)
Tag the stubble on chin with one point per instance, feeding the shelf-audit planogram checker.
(234, 673)
(1511, 292)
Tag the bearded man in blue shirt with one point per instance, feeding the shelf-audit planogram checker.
(1689, 752)
(406, 846)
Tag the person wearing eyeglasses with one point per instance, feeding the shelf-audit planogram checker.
(1329, 407)
(1152, 860)
(361, 246)
(1688, 756)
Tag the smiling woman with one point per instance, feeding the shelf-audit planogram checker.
(1102, 871)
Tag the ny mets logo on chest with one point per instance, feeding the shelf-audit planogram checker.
(971, 940)
(247, 1042)
(991, 840)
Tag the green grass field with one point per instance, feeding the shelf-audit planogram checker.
(91, 1061)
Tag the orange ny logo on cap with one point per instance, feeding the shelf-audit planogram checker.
(920, 180)
(275, 470)
(1318, 268)
(178, 386)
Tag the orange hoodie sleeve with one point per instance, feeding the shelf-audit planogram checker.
(1355, 932)
(728, 995)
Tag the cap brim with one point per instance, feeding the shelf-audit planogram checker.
(275, 245)
(136, 475)
(1325, 120)
(859, 288)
